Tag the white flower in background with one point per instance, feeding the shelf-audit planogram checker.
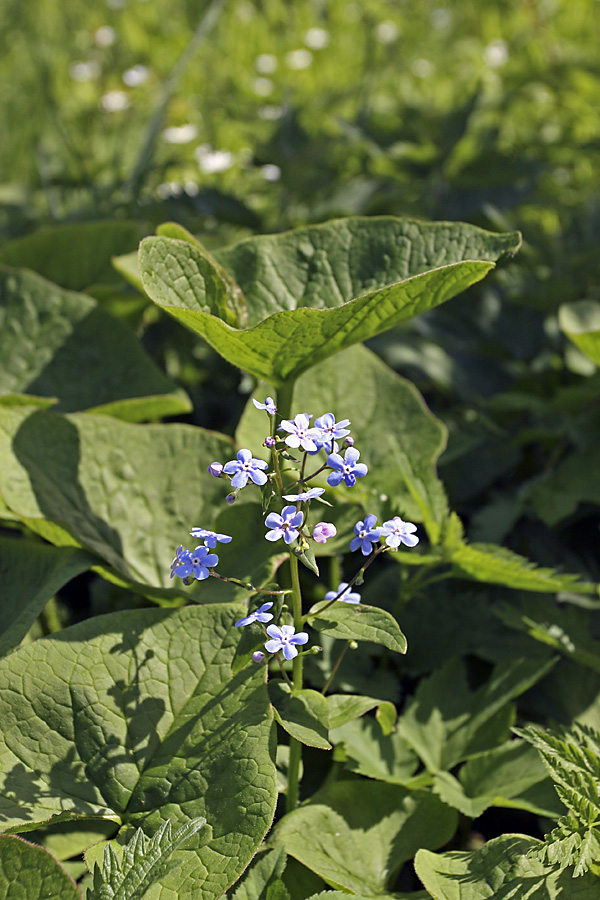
(105, 36)
(440, 18)
(422, 68)
(298, 59)
(180, 134)
(270, 113)
(496, 54)
(316, 38)
(262, 86)
(212, 161)
(136, 75)
(114, 101)
(265, 64)
(270, 172)
(84, 71)
(191, 188)
(387, 32)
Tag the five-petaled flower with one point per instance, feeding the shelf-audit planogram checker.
(269, 405)
(259, 615)
(347, 469)
(245, 467)
(285, 525)
(366, 534)
(343, 593)
(285, 639)
(210, 538)
(396, 532)
(196, 563)
(323, 531)
(300, 433)
(331, 430)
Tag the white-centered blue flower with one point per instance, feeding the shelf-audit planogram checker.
(196, 563)
(284, 639)
(285, 525)
(346, 469)
(269, 405)
(343, 594)
(396, 532)
(366, 534)
(244, 468)
(300, 433)
(307, 495)
(259, 615)
(210, 538)
(331, 430)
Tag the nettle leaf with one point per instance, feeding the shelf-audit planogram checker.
(141, 862)
(372, 830)
(30, 574)
(136, 717)
(32, 873)
(398, 437)
(446, 722)
(503, 869)
(130, 493)
(343, 895)
(580, 321)
(359, 623)
(366, 750)
(314, 291)
(346, 707)
(302, 713)
(74, 256)
(510, 775)
(50, 336)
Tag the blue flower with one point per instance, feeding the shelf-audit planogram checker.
(285, 525)
(197, 563)
(366, 534)
(397, 532)
(259, 615)
(331, 430)
(215, 469)
(210, 537)
(269, 405)
(343, 593)
(307, 495)
(300, 433)
(347, 469)
(284, 639)
(245, 467)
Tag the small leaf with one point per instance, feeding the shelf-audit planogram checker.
(303, 714)
(346, 707)
(360, 623)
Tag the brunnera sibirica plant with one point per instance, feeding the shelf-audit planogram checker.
(247, 723)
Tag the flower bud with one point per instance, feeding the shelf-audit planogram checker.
(230, 498)
(323, 531)
(215, 469)
(313, 651)
(258, 657)
(353, 645)
(349, 441)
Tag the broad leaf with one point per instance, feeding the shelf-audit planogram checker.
(364, 749)
(135, 716)
(302, 713)
(446, 722)
(30, 574)
(501, 870)
(346, 707)
(371, 829)
(398, 437)
(580, 321)
(359, 623)
(32, 873)
(51, 337)
(312, 292)
(265, 869)
(74, 256)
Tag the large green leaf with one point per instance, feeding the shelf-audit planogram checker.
(74, 256)
(135, 717)
(501, 870)
(130, 493)
(30, 574)
(359, 623)
(581, 322)
(366, 750)
(371, 829)
(31, 873)
(398, 437)
(312, 292)
(302, 713)
(447, 722)
(56, 343)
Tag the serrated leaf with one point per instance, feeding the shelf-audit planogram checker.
(30, 574)
(31, 872)
(122, 717)
(502, 869)
(446, 722)
(312, 292)
(50, 336)
(302, 713)
(372, 830)
(359, 623)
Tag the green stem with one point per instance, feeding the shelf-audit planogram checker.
(327, 684)
(295, 746)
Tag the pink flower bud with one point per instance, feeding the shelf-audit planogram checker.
(323, 531)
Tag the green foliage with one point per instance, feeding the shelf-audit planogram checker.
(31, 872)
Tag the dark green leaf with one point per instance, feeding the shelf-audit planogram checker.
(302, 713)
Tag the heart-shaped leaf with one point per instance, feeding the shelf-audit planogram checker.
(135, 717)
(312, 292)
